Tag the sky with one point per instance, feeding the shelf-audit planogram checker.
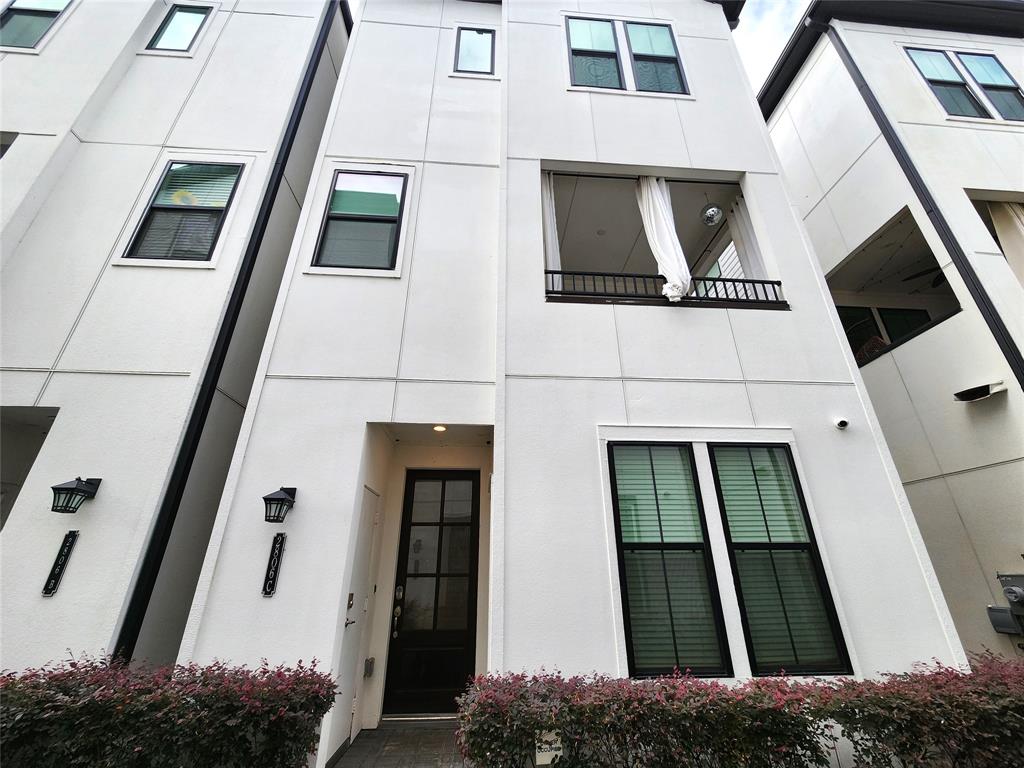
(765, 26)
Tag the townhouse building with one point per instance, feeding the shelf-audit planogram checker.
(155, 156)
(553, 379)
(899, 127)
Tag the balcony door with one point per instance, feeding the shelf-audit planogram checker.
(432, 647)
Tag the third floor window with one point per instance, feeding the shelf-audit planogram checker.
(595, 47)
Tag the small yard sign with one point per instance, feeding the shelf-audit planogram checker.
(549, 746)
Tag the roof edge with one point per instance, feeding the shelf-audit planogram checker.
(1001, 18)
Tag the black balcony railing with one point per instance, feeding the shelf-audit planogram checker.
(620, 286)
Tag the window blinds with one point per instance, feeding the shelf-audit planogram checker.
(671, 610)
(790, 621)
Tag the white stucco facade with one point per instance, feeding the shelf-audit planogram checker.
(102, 355)
(961, 463)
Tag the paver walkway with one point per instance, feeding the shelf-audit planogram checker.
(405, 744)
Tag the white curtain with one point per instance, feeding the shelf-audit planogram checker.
(552, 257)
(656, 212)
(1008, 219)
(742, 231)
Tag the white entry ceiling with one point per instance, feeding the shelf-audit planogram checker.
(895, 260)
(599, 227)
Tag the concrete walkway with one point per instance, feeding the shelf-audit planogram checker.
(405, 744)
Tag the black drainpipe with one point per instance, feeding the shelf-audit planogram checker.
(963, 265)
(128, 634)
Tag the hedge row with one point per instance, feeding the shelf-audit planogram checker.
(935, 717)
(104, 715)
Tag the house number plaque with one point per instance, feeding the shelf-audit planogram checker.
(273, 565)
(60, 564)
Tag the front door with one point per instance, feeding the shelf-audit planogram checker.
(433, 618)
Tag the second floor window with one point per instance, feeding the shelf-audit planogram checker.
(24, 23)
(363, 222)
(995, 81)
(474, 51)
(947, 83)
(655, 59)
(594, 53)
(179, 28)
(187, 213)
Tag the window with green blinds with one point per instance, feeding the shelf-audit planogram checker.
(995, 81)
(363, 222)
(672, 613)
(946, 83)
(187, 212)
(789, 618)
(24, 23)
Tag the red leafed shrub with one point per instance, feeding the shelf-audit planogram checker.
(935, 717)
(666, 722)
(100, 714)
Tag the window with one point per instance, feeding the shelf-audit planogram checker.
(947, 83)
(788, 616)
(669, 595)
(862, 332)
(363, 222)
(25, 22)
(594, 53)
(655, 58)
(995, 81)
(900, 324)
(187, 212)
(474, 51)
(179, 28)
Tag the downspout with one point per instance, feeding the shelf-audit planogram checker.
(142, 591)
(960, 260)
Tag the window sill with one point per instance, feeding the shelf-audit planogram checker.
(624, 92)
(474, 76)
(164, 263)
(985, 121)
(352, 271)
(167, 54)
(23, 51)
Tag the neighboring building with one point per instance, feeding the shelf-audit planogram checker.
(507, 449)
(900, 131)
(154, 154)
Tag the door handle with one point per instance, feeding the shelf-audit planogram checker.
(399, 592)
(349, 622)
(394, 621)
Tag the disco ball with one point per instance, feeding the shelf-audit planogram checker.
(711, 215)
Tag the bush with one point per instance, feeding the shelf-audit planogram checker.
(660, 723)
(936, 717)
(101, 714)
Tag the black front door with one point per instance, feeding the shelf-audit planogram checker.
(433, 617)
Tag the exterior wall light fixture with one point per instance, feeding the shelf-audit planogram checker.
(68, 497)
(440, 428)
(278, 503)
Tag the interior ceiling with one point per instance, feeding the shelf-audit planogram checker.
(896, 260)
(455, 434)
(599, 227)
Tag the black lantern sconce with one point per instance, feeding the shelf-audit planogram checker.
(68, 497)
(278, 503)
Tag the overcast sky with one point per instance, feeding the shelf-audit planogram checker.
(765, 26)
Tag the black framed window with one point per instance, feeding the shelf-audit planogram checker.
(1001, 89)
(670, 599)
(947, 83)
(655, 58)
(474, 51)
(901, 323)
(363, 223)
(24, 23)
(187, 212)
(593, 53)
(179, 29)
(6, 141)
(862, 331)
(789, 619)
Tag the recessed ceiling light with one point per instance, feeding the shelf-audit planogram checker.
(440, 428)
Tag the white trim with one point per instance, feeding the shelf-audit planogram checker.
(318, 206)
(141, 207)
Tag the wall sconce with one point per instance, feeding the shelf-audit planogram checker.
(68, 497)
(278, 503)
